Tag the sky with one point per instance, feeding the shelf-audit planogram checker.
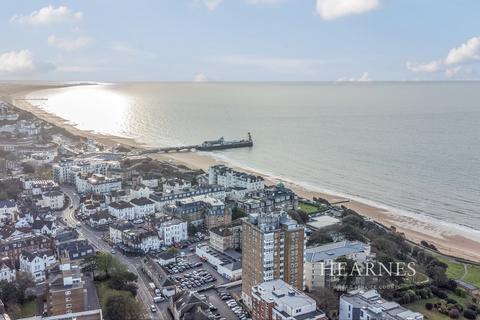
(240, 40)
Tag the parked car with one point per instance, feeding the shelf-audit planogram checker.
(153, 308)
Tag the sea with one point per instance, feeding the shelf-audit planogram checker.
(409, 147)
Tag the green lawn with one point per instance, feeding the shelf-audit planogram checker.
(473, 276)
(309, 208)
(28, 309)
(419, 306)
(456, 271)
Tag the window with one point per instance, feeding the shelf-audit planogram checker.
(67, 293)
(68, 305)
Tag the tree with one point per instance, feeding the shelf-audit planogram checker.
(429, 306)
(9, 189)
(28, 168)
(191, 229)
(238, 213)
(349, 275)
(108, 264)
(469, 314)
(173, 250)
(320, 237)
(326, 299)
(122, 306)
(454, 314)
(9, 293)
(123, 281)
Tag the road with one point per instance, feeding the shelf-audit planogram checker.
(144, 294)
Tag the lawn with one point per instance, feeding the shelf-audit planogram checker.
(455, 269)
(28, 309)
(473, 276)
(309, 208)
(419, 306)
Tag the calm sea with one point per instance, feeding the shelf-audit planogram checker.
(411, 147)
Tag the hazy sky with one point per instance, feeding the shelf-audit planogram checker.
(240, 40)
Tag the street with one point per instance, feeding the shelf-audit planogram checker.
(144, 294)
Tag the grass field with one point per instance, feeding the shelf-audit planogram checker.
(28, 309)
(473, 276)
(309, 208)
(419, 306)
(456, 270)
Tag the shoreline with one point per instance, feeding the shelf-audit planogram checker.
(414, 228)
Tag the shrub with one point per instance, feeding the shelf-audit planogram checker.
(439, 293)
(470, 314)
(460, 292)
(473, 307)
(452, 301)
(429, 306)
(454, 314)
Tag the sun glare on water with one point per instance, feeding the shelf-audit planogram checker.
(94, 108)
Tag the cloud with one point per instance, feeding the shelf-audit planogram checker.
(333, 9)
(452, 72)
(466, 52)
(69, 44)
(210, 4)
(264, 1)
(49, 15)
(22, 62)
(278, 65)
(128, 50)
(452, 64)
(429, 67)
(200, 77)
(17, 62)
(365, 77)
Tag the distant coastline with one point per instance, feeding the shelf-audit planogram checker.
(462, 242)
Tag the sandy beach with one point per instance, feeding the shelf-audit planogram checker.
(459, 243)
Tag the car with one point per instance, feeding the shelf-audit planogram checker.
(79, 224)
(113, 251)
(153, 308)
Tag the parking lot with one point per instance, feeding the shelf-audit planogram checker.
(203, 278)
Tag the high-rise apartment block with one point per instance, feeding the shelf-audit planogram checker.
(273, 248)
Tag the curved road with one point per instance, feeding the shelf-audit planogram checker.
(95, 239)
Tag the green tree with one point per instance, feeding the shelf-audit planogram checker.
(108, 264)
(28, 168)
(121, 306)
(123, 280)
(238, 213)
(326, 299)
(191, 229)
(173, 250)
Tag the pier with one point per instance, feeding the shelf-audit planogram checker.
(220, 144)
